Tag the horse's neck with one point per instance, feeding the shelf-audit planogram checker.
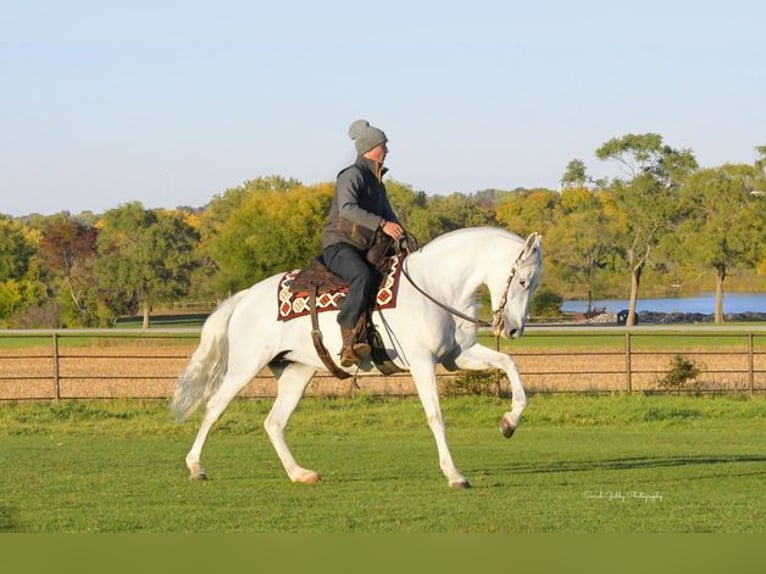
(452, 270)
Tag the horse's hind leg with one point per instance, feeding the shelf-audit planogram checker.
(233, 382)
(291, 382)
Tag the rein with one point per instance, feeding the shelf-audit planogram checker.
(497, 314)
(444, 306)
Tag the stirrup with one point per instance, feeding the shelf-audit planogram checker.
(362, 349)
(349, 358)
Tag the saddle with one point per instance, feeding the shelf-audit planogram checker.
(317, 276)
(316, 279)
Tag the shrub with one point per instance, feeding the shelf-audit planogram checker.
(546, 303)
(476, 383)
(37, 316)
(682, 374)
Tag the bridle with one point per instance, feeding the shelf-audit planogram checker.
(497, 323)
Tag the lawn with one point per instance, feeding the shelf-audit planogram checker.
(578, 464)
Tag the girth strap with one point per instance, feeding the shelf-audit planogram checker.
(316, 337)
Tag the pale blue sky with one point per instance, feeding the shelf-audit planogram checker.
(170, 103)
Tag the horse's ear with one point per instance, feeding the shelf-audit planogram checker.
(533, 241)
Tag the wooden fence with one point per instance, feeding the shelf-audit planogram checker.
(72, 364)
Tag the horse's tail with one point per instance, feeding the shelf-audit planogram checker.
(207, 366)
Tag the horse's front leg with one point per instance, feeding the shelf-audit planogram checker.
(424, 374)
(478, 357)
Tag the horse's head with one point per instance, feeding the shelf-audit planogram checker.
(511, 302)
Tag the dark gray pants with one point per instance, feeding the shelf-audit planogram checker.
(363, 279)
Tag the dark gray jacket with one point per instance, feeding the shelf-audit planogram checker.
(359, 207)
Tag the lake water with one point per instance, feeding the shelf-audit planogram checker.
(703, 303)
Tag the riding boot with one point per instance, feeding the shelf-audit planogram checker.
(348, 356)
(360, 344)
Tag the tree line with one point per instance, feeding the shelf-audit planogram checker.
(664, 224)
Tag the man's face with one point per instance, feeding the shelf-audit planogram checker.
(378, 153)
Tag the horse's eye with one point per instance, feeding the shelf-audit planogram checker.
(523, 283)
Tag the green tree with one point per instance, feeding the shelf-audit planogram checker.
(271, 183)
(647, 198)
(759, 191)
(458, 210)
(723, 225)
(411, 207)
(576, 174)
(760, 163)
(145, 257)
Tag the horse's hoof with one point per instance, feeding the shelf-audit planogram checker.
(308, 477)
(506, 427)
(196, 470)
(460, 484)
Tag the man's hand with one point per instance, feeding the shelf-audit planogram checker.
(392, 229)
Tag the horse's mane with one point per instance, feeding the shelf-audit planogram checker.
(461, 235)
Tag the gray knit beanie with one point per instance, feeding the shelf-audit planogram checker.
(365, 136)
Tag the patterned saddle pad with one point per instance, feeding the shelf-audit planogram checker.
(291, 305)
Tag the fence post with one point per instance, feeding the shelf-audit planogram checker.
(750, 364)
(628, 366)
(56, 378)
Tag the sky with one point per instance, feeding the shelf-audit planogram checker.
(173, 102)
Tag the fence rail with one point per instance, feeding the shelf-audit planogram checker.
(107, 363)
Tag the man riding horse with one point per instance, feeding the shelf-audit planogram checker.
(360, 211)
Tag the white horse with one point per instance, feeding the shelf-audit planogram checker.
(430, 324)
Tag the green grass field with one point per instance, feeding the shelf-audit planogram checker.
(622, 463)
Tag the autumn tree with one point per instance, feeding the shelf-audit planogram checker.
(221, 209)
(530, 210)
(20, 284)
(271, 231)
(68, 248)
(580, 246)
